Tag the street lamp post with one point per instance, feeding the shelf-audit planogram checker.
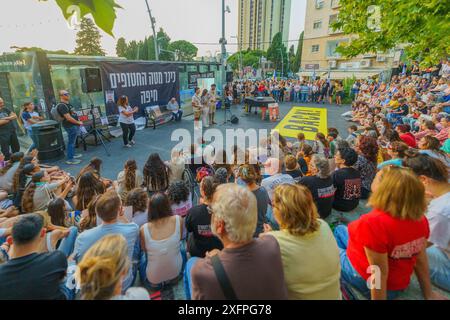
(223, 42)
(282, 62)
(152, 20)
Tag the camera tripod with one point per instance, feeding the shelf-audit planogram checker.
(97, 133)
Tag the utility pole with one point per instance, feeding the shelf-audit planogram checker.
(152, 20)
(282, 63)
(223, 42)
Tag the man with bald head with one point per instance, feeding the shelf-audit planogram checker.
(70, 124)
(8, 136)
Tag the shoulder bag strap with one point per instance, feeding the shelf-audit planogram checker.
(222, 277)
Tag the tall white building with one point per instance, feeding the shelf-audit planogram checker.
(260, 20)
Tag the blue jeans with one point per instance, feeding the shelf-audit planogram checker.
(348, 272)
(439, 267)
(67, 244)
(304, 97)
(33, 139)
(72, 134)
(176, 115)
(143, 269)
(187, 277)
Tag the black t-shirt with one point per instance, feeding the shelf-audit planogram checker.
(322, 191)
(198, 222)
(262, 202)
(347, 182)
(36, 276)
(8, 127)
(63, 109)
(296, 174)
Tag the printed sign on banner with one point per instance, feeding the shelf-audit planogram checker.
(145, 84)
(310, 121)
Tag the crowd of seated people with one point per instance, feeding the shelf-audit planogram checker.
(273, 216)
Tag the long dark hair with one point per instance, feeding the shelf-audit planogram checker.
(156, 173)
(90, 221)
(130, 175)
(159, 207)
(15, 157)
(57, 212)
(27, 200)
(94, 166)
(88, 187)
(18, 175)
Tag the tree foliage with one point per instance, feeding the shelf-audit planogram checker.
(25, 49)
(103, 11)
(298, 55)
(185, 50)
(422, 26)
(250, 58)
(88, 39)
(277, 53)
(121, 47)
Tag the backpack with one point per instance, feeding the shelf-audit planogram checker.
(56, 115)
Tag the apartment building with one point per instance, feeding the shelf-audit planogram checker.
(319, 56)
(260, 20)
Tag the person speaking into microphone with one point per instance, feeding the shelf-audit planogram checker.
(126, 120)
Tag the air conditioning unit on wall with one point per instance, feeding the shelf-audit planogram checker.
(365, 63)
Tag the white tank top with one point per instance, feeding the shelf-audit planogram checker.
(164, 261)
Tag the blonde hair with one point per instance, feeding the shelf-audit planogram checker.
(102, 267)
(236, 207)
(400, 193)
(297, 211)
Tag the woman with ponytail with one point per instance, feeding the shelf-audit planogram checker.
(7, 172)
(102, 270)
(89, 216)
(128, 179)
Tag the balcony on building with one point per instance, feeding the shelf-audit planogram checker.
(333, 19)
(330, 49)
(335, 4)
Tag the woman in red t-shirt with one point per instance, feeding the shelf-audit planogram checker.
(380, 251)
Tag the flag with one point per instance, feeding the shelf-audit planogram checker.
(275, 75)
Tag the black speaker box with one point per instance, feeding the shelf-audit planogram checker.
(230, 76)
(91, 80)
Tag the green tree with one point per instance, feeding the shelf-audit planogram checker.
(250, 58)
(422, 26)
(277, 54)
(164, 42)
(25, 49)
(298, 55)
(291, 56)
(185, 50)
(121, 47)
(88, 39)
(132, 50)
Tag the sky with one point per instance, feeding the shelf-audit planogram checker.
(32, 23)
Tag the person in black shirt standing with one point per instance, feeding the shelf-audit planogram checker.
(30, 275)
(320, 184)
(8, 136)
(70, 124)
(346, 180)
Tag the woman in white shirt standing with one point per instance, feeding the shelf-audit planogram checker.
(162, 261)
(126, 120)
